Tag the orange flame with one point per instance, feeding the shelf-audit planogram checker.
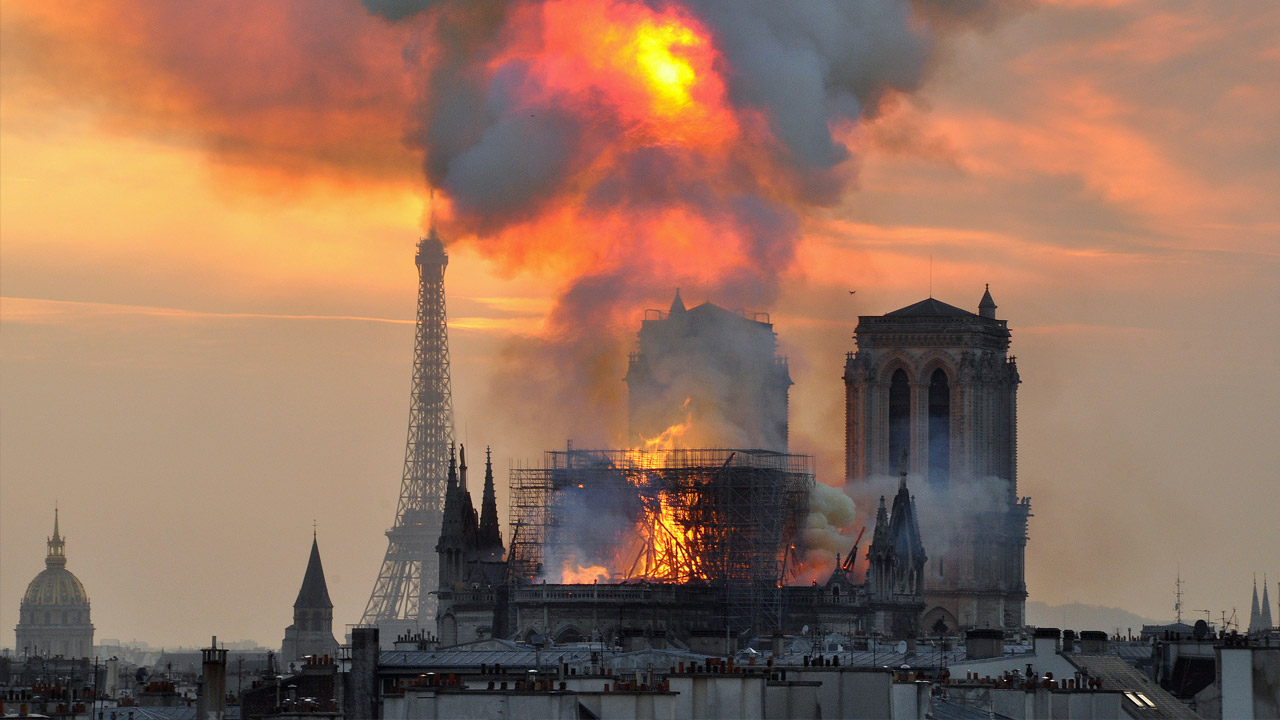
(575, 574)
(651, 70)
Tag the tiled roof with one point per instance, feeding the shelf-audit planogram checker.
(930, 308)
(1143, 697)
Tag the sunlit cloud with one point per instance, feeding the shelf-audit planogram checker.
(38, 311)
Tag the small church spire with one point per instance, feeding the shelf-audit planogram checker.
(677, 305)
(987, 306)
(490, 535)
(314, 592)
(1267, 623)
(462, 468)
(451, 481)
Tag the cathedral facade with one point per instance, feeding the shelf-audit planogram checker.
(54, 616)
(932, 391)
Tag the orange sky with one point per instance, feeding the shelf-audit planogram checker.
(206, 235)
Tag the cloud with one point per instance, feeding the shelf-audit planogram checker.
(284, 90)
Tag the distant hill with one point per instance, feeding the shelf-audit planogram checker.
(1079, 616)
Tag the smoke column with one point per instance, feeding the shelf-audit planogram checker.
(631, 147)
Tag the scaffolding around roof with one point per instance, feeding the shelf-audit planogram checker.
(723, 517)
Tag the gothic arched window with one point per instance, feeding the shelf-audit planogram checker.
(899, 419)
(939, 427)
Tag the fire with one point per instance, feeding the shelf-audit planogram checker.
(651, 71)
(574, 574)
(670, 76)
(656, 547)
(666, 440)
(650, 157)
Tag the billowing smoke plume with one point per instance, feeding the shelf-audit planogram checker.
(629, 147)
(829, 531)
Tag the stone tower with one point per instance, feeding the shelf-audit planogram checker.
(712, 369)
(470, 552)
(312, 630)
(54, 616)
(932, 391)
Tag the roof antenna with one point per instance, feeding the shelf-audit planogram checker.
(930, 276)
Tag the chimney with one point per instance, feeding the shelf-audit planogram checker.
(1046, 641)
(1093, 642)
(361, 698)
(1068, 641)
(981, 643)
(212, 701)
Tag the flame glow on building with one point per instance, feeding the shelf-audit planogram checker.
(725, 518)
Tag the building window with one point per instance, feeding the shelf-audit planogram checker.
(939, 427)
(899, 420)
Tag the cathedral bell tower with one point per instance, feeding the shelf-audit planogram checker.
(932, 391)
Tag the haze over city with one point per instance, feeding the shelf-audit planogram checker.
(208, 220)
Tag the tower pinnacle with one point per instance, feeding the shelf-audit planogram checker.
(987, 306)
(490, 534)
(57, 556)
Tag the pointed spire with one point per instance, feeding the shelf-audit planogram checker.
(452, 481)
(490, 534)
(1267, 623)
(1255, 614)
(677, 305)
(987, 306)
(57, 556)
(462, 468)
(314, 592)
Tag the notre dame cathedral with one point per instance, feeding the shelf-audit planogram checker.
(931, 390)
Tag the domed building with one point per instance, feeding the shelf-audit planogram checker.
(54, 617)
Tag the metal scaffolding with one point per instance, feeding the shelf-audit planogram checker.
(718, 516)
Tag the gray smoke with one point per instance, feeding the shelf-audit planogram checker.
(508, 151)
(946, 513)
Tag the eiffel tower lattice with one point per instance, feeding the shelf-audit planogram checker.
(401, 598)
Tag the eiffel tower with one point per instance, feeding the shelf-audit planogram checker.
(401, 598)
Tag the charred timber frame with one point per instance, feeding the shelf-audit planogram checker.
(736, 512)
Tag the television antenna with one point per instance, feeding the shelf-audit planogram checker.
(1177, 604)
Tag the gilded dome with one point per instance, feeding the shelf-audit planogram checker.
(55, 586)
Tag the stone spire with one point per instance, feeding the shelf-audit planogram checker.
(1255, 614)
(462, 468)
(57, 556)
(677, 305)
(314, 592)
(1267, 623)
(987, 307)
(449, 527)
(312, 630)
(904, 531)
(490, 535)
